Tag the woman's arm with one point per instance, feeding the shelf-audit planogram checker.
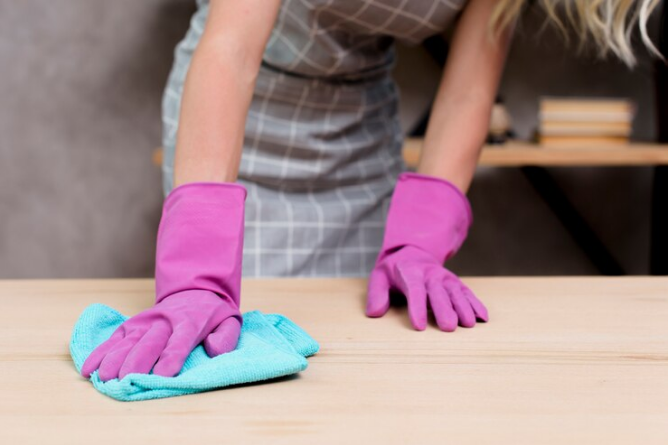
(218, 90)
(460, 116)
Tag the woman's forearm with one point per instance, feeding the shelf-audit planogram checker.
(460, 116)
(218, 90)
(451, 151)
(211, 126)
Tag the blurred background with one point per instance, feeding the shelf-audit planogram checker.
(80, 92)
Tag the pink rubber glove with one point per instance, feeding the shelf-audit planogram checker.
(427, 223)
(198, 279)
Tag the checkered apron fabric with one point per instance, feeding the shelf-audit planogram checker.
(322, 147)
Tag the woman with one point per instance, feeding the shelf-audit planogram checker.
(288, 141)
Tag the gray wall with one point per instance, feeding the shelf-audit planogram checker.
(79, 118)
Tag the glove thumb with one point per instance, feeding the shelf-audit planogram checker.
(224, 338)
(378, 294)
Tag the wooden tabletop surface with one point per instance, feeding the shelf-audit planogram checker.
(562, 361)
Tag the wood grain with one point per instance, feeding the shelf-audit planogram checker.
(519, 154)
(562, 360)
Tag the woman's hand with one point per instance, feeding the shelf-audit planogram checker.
(425, 283)
(427, 222)
(162, 337)
(198, 284)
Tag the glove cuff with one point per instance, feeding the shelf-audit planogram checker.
(426, 179)
(429, 213)
(200, 240)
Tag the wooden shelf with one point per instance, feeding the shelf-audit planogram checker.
(518, 154)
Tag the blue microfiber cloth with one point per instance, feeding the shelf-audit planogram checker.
(270, 346)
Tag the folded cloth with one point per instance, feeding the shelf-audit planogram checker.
(270, 346)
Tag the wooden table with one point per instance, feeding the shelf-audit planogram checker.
(562, 361)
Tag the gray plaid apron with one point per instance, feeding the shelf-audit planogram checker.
(322, 148)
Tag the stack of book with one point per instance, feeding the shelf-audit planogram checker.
(585, 122)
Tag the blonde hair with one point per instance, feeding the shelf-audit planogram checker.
(608, 23)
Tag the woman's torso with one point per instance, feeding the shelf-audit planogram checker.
(350, 39)
(323, 141)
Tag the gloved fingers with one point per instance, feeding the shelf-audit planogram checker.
(180, 345)
(224, 338)
(147, 350)
(93, 361)
(439, 299)
(411, 282)
(378, 294)
(115, 358)
(459, 301)
(477, 305)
